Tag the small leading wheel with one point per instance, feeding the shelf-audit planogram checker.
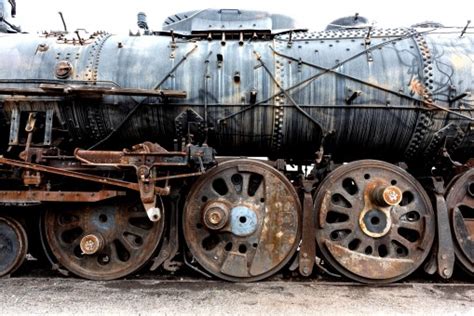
(374, 221)
(460, 202)
(242, 220)
(13, 245)
(102, 242)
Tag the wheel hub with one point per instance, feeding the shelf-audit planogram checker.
(375, 223)
(243, 221)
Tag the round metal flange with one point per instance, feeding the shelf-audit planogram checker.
(102, 242)
(460, 203)
(13, 245)
(374, 221)
(242, 220)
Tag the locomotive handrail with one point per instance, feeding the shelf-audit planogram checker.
(57, 81)
(60, 89)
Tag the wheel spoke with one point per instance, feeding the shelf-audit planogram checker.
(407, 244)
(113, 252)
(350, 212)
(352, 199)
(416, 225)
(341, 226)
(68, 226)
(128, 244)
(136, 230)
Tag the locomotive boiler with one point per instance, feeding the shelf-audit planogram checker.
(120, 152)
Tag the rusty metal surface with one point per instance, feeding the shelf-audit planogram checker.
(261, 228)
(36, 196)
(171, 240)
(395, 94)
(13, 245)
(307, 253)
(460, 203)
(364, 239)
(77, 175)
(127, 238)
(444, 248)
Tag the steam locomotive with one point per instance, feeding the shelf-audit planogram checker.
(236, 145)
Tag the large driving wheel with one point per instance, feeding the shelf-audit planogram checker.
(460, 202)
(13, 245)
(102, 242)
(242, 220)
(374, 221)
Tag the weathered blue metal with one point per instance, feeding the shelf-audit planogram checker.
(7, 12)
(369, 92)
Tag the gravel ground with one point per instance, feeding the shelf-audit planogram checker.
(58, 295)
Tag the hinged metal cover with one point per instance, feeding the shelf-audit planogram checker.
(226, 20)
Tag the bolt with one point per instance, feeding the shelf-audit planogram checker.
(91, 244)
(216, 258)
(305, 270)
(443, 257)
(305, 255)
(215, 217)
(446, 272)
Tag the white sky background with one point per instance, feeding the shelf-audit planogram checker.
(119, 16)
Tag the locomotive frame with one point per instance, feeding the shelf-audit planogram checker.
(377, 195)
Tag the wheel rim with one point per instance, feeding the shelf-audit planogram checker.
(242, 221)
(460, 202)
(374, 221)
(102, 242)
(13, 245)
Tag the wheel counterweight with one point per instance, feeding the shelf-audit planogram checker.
(242, 220)
(374, 221)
